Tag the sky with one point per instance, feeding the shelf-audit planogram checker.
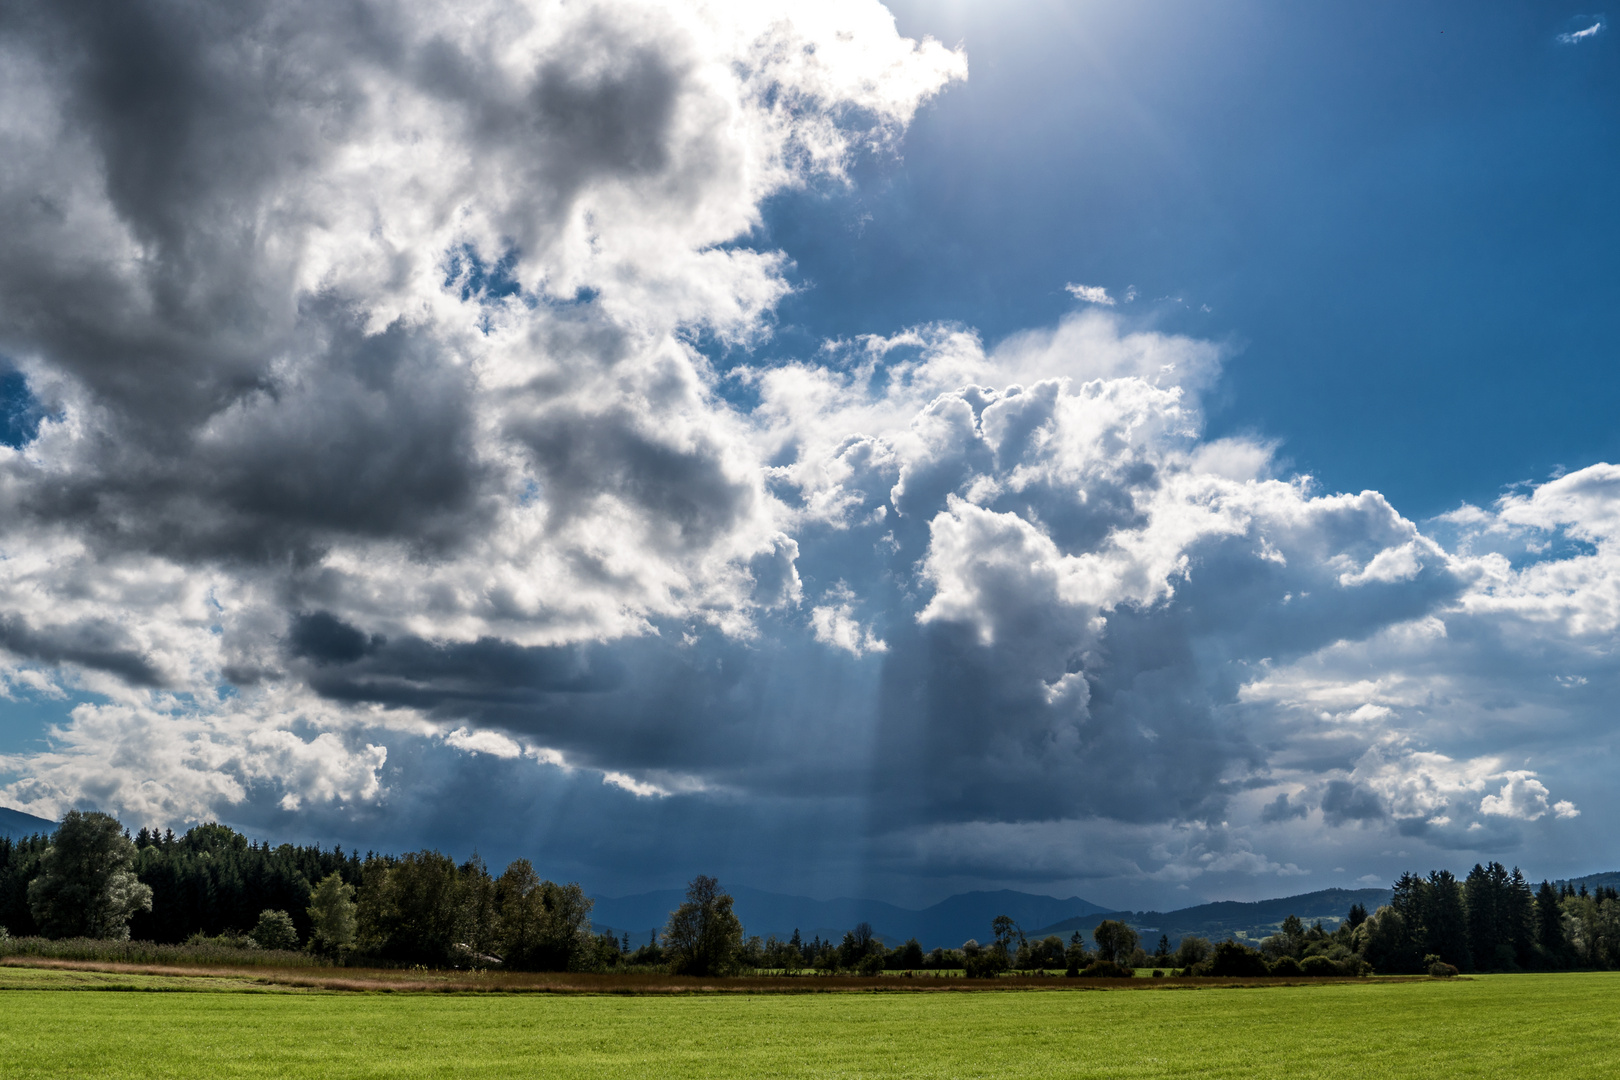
(1156, 452)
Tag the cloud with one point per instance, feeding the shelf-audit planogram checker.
(1525, 798)
(172, 761)
(1094, 294)
(835, 624)
(1575, 37)
(370, 473)
(484, 742)
(1344, 802)
(1281, 809)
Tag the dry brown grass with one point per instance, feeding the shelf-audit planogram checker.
(371, 980)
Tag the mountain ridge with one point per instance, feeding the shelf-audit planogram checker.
(968, 915)
(16, 824)
(1610, 878)
(947, 923)
(1244, 920)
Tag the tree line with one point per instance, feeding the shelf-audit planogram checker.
(92, 879)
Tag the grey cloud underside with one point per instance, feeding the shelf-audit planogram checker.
(686, 490)
(242, 420)
(948, 729)
(99, 645)
(373, 442)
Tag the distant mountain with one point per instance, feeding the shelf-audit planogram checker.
(1230, 918)
(947, 923)
(16, 824)
(1611, 878)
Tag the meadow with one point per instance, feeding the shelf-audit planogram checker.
(56, 1024)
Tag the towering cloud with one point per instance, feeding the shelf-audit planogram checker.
(362, 463)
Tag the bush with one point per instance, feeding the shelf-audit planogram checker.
(1158, 973)
(200, 950)
(871, 964)
(1106, 969)
(275, 931)
(1192, 951)
(1286, 965)
(1442, 970)
(985, 964)
(1319, 967)
(230, 939)
(1232, 960)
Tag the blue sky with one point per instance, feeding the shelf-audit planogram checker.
(1155, 452)
(1401, 218)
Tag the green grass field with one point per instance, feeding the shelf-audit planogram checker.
(57, 1024)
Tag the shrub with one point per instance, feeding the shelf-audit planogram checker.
(230, 939)
(985, 964)
(1318, 967)
(200, 950)
(1106, 969)
(1286, 965)
(1442, 970)
(275, 931)
(871, 964)
(1158, 973)
(1233, 960)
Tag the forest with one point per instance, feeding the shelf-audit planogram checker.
(213, 886)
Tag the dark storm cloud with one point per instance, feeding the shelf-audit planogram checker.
(1282, 809)
(101, 646)
(206, 125)
(373, 442)
(686, 490)
(1344, 803)
(193, 115)
(349, 665)
(987, 744)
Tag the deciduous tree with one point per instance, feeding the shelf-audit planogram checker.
(1115, 941)
(703, 936)
(275, 930)
(86, 887)
(332, 916)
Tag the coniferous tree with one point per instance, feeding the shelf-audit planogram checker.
(1519, 918)
(1445, 921)
(19, 864)
(1550, 923)
(1482, 893)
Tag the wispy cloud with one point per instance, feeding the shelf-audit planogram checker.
(1091, 294)
(1575, 37)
